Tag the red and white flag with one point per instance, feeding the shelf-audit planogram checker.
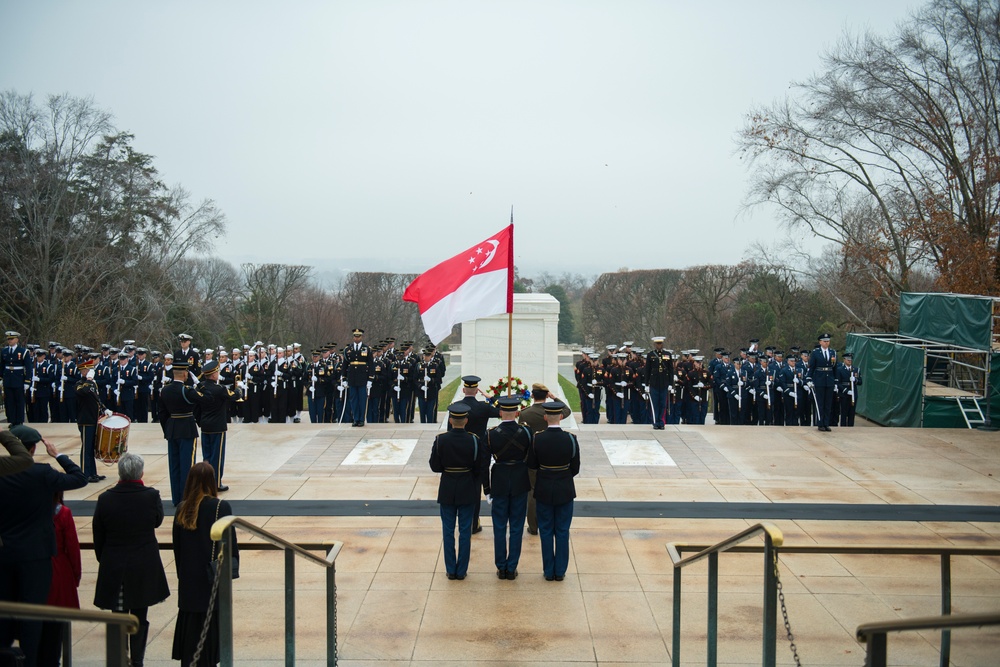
(476, 283)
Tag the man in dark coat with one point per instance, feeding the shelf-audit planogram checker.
(18, 460)
(28, 535)
(533, 417)
(821, 374)
(177, 404)
(130, 577)
(556, 456)
(215, 418)
(480, 414)
(508, 485)
(463, 463)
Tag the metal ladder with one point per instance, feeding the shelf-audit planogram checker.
(971, 412)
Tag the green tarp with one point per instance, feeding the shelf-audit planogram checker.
(948, 318)
(893, 377)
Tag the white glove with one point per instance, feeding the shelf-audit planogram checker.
(368, 385)
(753, 392)
(725, 389)
(810, 384)
(90, 374)
(698, 398)
(399, 376)
(121, 380)
(675, 378)
(489, 499)
(645, 397)
(646, 388)
(397, 389)
(850, 393)
(780, 390)
(343, 384)
(620, 395)
(768, 383)
(590, 396)
(108, 413)
(621, 384)
(671, 390)
(427, 378)
(700, 385)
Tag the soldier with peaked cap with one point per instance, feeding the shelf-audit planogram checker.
(789, 380)
(215, 419)
(189, 356)
(177, 405)
(555, 454)
(40, 392)
(508, 485)
(462, 460)
(90, 408)
(429, 378)
(848, 382)
(14, 361)
(659, 376)
(359, 372)
(480, 414)
(806, 408)
(821, 379)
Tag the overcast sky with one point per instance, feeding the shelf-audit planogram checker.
(383, 135)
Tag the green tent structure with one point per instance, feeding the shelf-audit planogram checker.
(936, 372)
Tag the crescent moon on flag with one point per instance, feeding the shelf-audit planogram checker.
(492, 253)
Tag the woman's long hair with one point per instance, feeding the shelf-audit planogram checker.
(200, 484)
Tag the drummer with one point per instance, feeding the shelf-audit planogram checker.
(177, 402)
(89, 407)
(214, 418)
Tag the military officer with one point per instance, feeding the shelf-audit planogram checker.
(91, 407)
(659, 374)
(698, 385)
(42, 379)
(479, 416)
(315, 372)
(358, 372)
(462, 460)
(189, 356)
(214, 419)
(508, 485)
(429, 377)
(123, 383)
(177, 405)
(764, 385)
(821, 379)
(555, 454)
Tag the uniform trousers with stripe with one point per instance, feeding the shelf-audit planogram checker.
(213, 450)
(180, 458)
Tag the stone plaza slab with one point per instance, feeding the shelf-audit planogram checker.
(381, 452)
(636, 453)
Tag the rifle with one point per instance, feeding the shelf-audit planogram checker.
(427, 379)
(312, 384)
(795, 389)
(767, 389)
(34, 382)
(852, 388)
(62, 384)
(739, 392)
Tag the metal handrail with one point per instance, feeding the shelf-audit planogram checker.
(118, 626)
(222, 530)
(772, 539)
(732, 545)
(875, 635)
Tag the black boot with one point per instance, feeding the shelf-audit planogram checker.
(137, 645)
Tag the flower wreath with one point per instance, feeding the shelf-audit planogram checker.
(517, 388)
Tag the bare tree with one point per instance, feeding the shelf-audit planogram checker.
(374, 302)
(268, 292)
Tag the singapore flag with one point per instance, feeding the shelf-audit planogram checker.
(476, 283)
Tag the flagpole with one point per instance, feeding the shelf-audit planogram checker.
(510, 313)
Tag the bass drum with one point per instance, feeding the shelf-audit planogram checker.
(111, 440)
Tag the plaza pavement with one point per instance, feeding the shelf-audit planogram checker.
(396, 607)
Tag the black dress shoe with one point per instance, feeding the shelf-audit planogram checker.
(451, 576)
(511, 575)
(549, 577)
(560, 577)
(460, 577)
(296, 420)
(223, 487)
(93, 479)
(100, 478)
(501, 574)
(477, 529)
(532, 531)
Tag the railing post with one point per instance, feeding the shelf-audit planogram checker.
(67, 644)
(676, 639)
(289, 608)
(712, 651)
(877, 650)
(115, 645)
(331, 615)
(768, 653)
(945, 608)
(224, 602)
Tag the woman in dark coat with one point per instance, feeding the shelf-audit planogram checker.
(130, 577)
(193, 553)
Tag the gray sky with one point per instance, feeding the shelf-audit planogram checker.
(384, 135)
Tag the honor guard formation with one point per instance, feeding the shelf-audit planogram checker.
(764, 388)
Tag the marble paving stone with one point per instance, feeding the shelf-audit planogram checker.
(671, 490)
(636, 453)
(623, 628)
(386, 627)
(381, 451)
(349, 488)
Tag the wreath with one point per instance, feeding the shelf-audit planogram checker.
(517, 388)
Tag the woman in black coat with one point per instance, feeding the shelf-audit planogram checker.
(193, 552)
(130, 577)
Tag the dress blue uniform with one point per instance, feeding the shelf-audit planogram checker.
(508, 443)
(463, 463)
(177, 404)
(359, 373)
(556, 456)
(659, 377)
(848, 381)
(822, 378)
(14, 360)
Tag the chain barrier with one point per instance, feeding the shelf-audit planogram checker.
(784, 613)
(211, 608)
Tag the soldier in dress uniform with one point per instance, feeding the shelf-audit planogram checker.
(189, 356)
(720, 382)
(590, 379)
(144, 385)
(280, 381)
(42, 379)
(215, 400)
(778, 410)
(765, 388)
(748, 390)
(806, 408)
(479, 416)
(123, 383)
(69, 375)
(789, 380)
(699, 385)
(14, 363)
(555, 454)
(848, 382)
(508, 485)
(821, 379)
(91, 407)
(579, 368)
(359, 371)
(403, 384)
(177, 406)
(659, 376)
(382, 369)
(462, 460)
(429, 378)
(716, 397)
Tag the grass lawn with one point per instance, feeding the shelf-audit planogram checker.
(569, 394)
